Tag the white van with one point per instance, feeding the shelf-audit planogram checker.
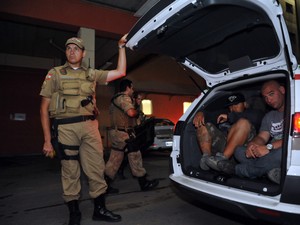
(235, 46)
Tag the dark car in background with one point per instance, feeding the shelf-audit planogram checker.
(163, 134)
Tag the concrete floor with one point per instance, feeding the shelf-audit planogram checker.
(30, 191)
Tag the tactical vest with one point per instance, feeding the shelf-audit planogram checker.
(119, 119)
(72, 87)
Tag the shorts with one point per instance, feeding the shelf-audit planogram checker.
(219, 138)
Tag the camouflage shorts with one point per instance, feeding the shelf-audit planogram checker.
(219, 138)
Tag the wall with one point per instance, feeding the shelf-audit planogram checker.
(19, 93)
(104, 95)
(291, 18)
(168, 106)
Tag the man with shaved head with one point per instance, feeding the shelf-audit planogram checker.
(263, 154)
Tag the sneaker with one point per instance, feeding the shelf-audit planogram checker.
(203, 159)
(212, 161)
(226, 166)
(274, 175)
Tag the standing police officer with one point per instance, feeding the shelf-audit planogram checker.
(68, 97)
(123, 119)
(137, 98)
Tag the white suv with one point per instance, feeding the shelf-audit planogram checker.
(235, 46)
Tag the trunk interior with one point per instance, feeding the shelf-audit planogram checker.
(214, 101)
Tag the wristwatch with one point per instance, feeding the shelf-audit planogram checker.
(270, 146)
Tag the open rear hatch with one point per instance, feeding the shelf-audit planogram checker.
(218, 39)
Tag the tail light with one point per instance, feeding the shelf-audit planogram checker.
(296, 125)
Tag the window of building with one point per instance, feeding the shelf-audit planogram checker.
(289, 8)
(147, 107)
(293, 41)
(186, 105)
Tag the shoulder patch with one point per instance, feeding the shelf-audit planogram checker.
(48, 76)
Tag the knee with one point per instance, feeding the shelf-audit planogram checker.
(201, 130)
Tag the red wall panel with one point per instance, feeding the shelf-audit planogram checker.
(19, 93)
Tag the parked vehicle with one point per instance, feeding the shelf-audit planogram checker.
(235, 46)
(163, 131)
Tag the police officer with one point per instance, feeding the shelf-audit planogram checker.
(138, 104)
(137, 97)
(68, 98)
(123, 119)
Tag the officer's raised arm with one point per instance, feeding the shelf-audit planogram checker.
(120, 71)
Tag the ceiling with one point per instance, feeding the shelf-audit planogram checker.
(127, 5)
(150, 73)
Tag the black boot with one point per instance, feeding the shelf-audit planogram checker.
(110, 189)
(147, 185)
(75, 214)
(101, 213)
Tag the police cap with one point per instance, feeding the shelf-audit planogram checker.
(76, 41)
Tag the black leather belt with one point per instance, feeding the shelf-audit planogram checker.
(75, 119)
(125, 129)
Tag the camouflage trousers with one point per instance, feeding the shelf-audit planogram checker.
(116, 157)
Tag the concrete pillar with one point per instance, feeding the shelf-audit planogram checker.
(88, 36)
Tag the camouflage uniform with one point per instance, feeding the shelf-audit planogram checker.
(68, 98)
(67, 88)
(121, 126)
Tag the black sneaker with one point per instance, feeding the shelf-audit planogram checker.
(212, 161)
(226, 166)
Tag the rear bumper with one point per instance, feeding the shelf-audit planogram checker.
(253, 212)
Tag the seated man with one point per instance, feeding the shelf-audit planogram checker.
(262, 156)
(219, 144)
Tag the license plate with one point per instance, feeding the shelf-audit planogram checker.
(169, 143)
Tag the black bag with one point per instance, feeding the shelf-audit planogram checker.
(145, 133)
